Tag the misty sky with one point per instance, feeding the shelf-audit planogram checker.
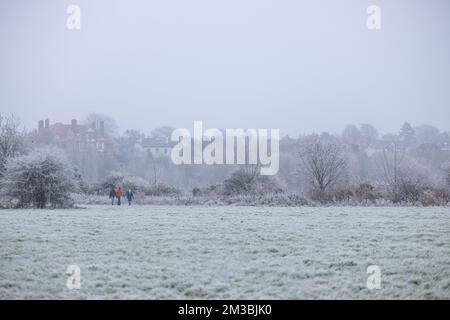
(300, 66)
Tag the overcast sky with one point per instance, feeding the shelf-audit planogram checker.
(299, 66)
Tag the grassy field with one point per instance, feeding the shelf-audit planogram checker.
(159, 252)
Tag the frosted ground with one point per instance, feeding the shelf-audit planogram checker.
(159, 252)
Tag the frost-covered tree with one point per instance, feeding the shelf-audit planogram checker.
(448, 179)
(11, 139)
(427, 134)
(389, 161)
(407, 135)
(324, 161)
(352, 135)
(446, 170)
(369, 135)
(44, 177)
(162, 132)
(404, 177)
(155, 168)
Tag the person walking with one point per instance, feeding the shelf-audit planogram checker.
(119, 195)
(130, 196)
(112, 195)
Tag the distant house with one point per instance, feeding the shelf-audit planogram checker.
(74, 137)
(445, 147)
(158, 147)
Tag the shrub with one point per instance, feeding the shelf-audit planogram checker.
(342, 194)
(366, 191)
(362, 193)
(160, 189)
(116, 180)
(240, 182)
(40, 178)
(435, 197)
(319, 195)
(447, 179)
(111, 181)
(409, 190)
(210, 191)
(196, 192)
(136, 184)
(246, 183)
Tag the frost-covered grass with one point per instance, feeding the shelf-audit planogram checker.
(159, 252)
(273, 200)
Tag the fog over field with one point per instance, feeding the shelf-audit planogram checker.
(226, 149)
(110, 82)
(300, 66)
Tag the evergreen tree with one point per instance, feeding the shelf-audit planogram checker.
(407, 135)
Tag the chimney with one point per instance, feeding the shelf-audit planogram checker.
(102, 127)
(40, 126)
(47, 123)
(74, 125)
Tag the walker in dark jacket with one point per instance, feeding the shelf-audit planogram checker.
(112, 195)
(130, 196)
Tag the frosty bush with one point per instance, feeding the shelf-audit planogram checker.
(243, 182)
(136, 184)
(44, 177)
(320, 196)
(161, 189)
(240, 182)
(366, 192)
(435, 197)
(116, 180)
(342, 194)
(447, 176)
(408, 188)
(211, 191)
(111, 181)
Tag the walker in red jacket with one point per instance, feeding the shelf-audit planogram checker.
(119, 194)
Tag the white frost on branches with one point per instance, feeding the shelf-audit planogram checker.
(44, 177)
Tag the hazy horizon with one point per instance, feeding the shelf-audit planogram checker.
(300, 66)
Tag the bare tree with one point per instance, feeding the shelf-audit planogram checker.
(447, 179)
(323, 161)
(11, 139)
(392, 157)
(352, 135)
(369, 135)
(401, 174)
(155, 171)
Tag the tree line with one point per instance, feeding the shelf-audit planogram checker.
(359, 165)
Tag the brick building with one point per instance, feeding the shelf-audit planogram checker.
(74, 137)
